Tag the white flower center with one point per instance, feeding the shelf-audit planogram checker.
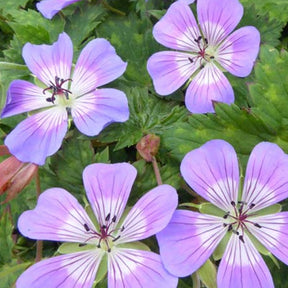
(237, 220)
(60, 95)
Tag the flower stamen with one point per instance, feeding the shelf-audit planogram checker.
(240, 219)
(105, 233)
(57, 89)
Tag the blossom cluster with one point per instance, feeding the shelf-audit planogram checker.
(242, 219)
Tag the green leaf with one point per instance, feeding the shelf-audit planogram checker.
(221, 247)
(269, 210)
(9, 273)
(270, 92)
(260, 247)
(208, 208)
(67, 248)
(103, 156)
(207, 273)
(230, 123)
(148, 115)
(277, 9)
(31, 26)
(135, 245)
(9, 7)
(83, 22)
(134, 43)
(68, 164)
(13, 66)
(270, 28)
(6, 228)
(102, 270)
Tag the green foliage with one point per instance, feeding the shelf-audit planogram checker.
(9, 7)
(6, 228)
(230, 123)
(84, 22)
(277, 9)
(270, 28)
(9, 273)
(68, 164)
(133, 41)
(207, 273)
(148, 114)
(258, 114)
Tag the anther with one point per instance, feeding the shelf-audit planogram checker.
(116, 238)
(107, 217)
(190, 59)
(257, 225)
(226, 215)
(252, 205)
(241, 238)
(233, 203)
(86, 227)
(82, 244)
(114, 219)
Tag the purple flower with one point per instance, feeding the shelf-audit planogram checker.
(202, 49)
(58, 216)
(49, 8)
(190, 238)
(92, 109)
(186, 1)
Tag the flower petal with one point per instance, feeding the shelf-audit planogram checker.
(137, 269)
(49, 8)
(186, 1)
(23, 96)
(58, 216)
(49, 61)
(150, 214)
(189, 240)
(266, 180)
(209, 85)
(217, 180)
(242, 266)
(177, 29)
(218, 19)
(38, 136)
(273, 233)
(70, 270)
(97, 65)
(237, 53)
(108, 187)
(94, 111)
(170, 70)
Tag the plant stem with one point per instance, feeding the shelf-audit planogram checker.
(112, 9)
(156, 171)
(39, 243)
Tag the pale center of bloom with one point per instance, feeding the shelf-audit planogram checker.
(205, 53)
(59, 93)
(106, 236)
(239, 218)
